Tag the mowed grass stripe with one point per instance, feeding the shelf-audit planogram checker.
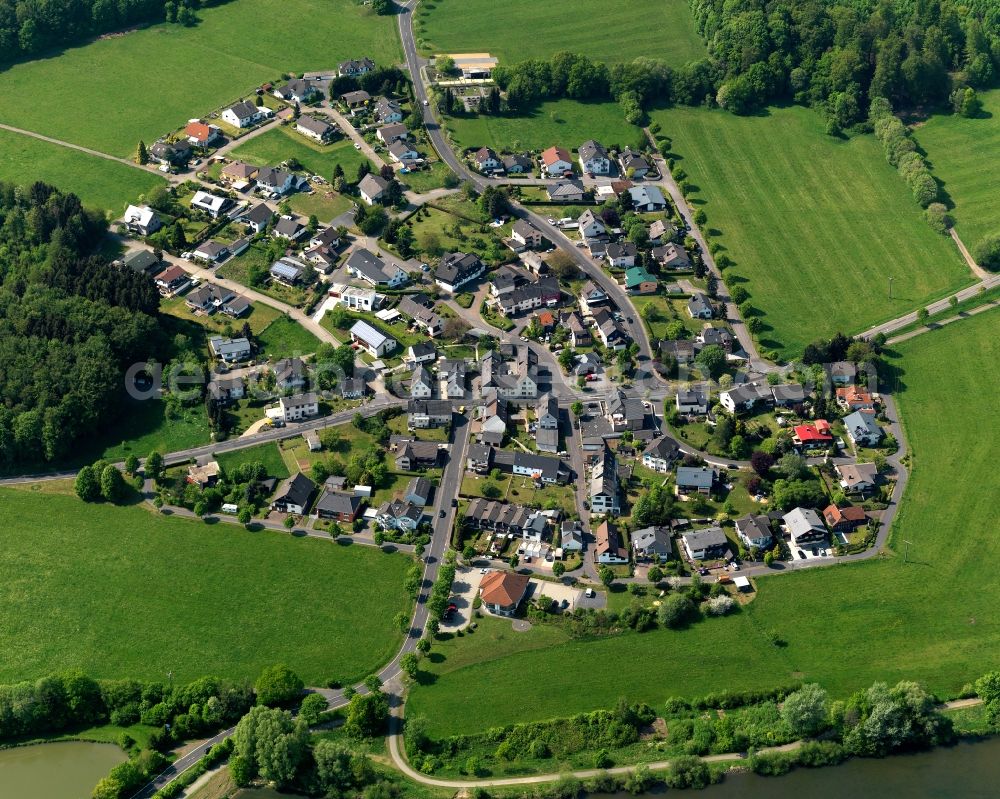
(661, 29)
(111, 93)
(965, 155)
(932, 619)
(816, 225)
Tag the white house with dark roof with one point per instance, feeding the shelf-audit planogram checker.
(754, 530)
(647, 198)
(456, 269)
(862, 429)
(316, 129)
(390, 133)
(487, 161)
(355, 68)
(372, 269)
(594, 158)
(590, 226)
(245, 115)
(661, 454)
(372, 188)
(695, 479)
(706, 544)
(698, 307)
(566, 191)
(297, 90)
(403, 153)
(804, 526)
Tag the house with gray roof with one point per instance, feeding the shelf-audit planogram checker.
(754, 530)
(805, 526)
(698, 307)
(418, 491)
(695, 479)
(594, 158)
(566, 191)
(652, 543)
(709, 543)
(862, 429)
(661, 454)
(456, 269)
(318, 129)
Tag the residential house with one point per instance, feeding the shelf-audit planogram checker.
(209, 203)
(621, 255)
(633, 164)
(647, 198)
(661, 229)
(208, 297)
(515, 379)
(421, 385)
(652, 543)
(355, 100)
(813, 435)
(322, 249)
(540, 468)
(479, 458)
(451, 372)
(718, 336)
(294, 495)
(417, 307)
(211, 251)
(639, 281)
(390, 133)
(608, 549)
(338, 506)
(862, 429)
(311, 437)
(238, 174)
(745, 396)
(590, 226)
(289, 374)
(397, 515)
(142, 219)
(201, 135)
(566, 191)
(662, 454)
(288, 270)
(695, 479)
(357, 298)
(244, 114)
(498, 517)
(172, 153)
(547, 424)
(487, 161)
(591, 296)
(403, 153)
(709, 543)
(372, 188)
(699, 307)
(373, 341)
(571, 536)
(788, 395)
(804, 526)
(353, 388)
(412, 455)
(297, 90)
(314, 128)
(226, 390)
(423, 413)
(680, 351)
(594, 158)
(388, 112)
(276, 181)
(855, 398)
(609, 331)
(845, 520)
(842, 373)
(555, 161)
(501, 592)
(456, 269)
(172, 280)
(528, 296)
(527, 234)
(258, 217)
(857, 478)
(289, 227)
(144, 262)
(230, 350)
(204, 475)
(374, 270)
(355, 68)
(422, 352)
(671, 256)
(579, 333)
(626, 413)
(298, 407)
(604, 486)
(516, 164)
(754, 530)
(692, 401)
(418, 491)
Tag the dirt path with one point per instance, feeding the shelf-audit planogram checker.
(977, 270)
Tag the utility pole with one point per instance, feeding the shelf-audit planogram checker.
(890, 287)
(906, 550)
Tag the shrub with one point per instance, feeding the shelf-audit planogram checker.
(720, 605)
(278, 685)
(687, 771)
(676, 611)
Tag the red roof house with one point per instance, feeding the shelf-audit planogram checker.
(813, 434)
(844, 519)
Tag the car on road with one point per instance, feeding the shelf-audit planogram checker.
(443, 514)
(454, 502)
(357, 146)
(630, 320)
(551, 221)
(426, 103)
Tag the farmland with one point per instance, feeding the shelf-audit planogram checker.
(122, 592)
(566, 123)
(817, 226)
(930, 619)
(543, 29)
(92, 95)
(963, 156)
(100, 183)
(282, 143)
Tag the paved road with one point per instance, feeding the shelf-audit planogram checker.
(950, 320)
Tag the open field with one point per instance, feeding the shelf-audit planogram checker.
(816, 225)
(285, 337)
(662, 29)
(566, 123)
(100, 183)
(931, 619)
(90, 95)
(123, 592)
(145, 427)
(281, 143)
(268, 454)
(964, 155)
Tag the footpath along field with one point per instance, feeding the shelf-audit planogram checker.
(109, 94)
(662, 29)
(125, 592)
(964, 155)
(816, 225)
(932, 619)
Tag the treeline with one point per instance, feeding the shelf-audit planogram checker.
(839, 54)
(29, 28)
(70, 323)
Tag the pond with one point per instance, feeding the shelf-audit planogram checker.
(63, 770)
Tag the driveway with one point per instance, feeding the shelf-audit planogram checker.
(463, 593)
(556, 591)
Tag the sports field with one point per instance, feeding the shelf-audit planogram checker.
(109, 94)
(964, 155)
(662, 29)
(564, 123)
(100, 183)
(282, 143)
(815, 224)
(932, 619)
(124, 592)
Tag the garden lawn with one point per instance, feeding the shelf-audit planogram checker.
(285, 337)
(324, 203)
(566, 123)
(662, 29)
(124, 592)
(281, 143)
(259, 317)
(816, 225)
(99, 183)
(964, 155)
(932, 619)
(267, 454)
(89, 95)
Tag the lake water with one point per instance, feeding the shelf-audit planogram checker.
(63, 770)
(965, 771)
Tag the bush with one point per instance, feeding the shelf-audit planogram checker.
(987, 252)
(720, 605)
(676, 611)
(687, 771)
(278, 685)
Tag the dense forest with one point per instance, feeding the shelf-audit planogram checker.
(30, 28)
(842, 53)
(70, 324)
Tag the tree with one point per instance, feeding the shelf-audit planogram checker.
(607, 576)
(922, 314)
(793, 466)
(244, 517)
(270, 743)
(675, 611)
(131, 464)
(278, 685)
(558, 568)
(700, 217)
(654, 575)
(154, 465)
(409, 664)
(711, 360)
(445, 65)
(87, 485)
(761, 462)
(141, 154)
(987, 252)
(367, 714)
(805, 710)
(113, 486)
(312, 708)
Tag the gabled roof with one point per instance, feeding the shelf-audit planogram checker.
(313, 125)
(297, 490)
(664, 447)
(566, 188)
(696, 476)
(372, 185)
(591, 149)
(554, 154)
(338, 502)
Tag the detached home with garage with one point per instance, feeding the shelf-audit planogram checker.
(501, 592)
(294, 495)
(373, 341)
(862, 429)
(555, 161)
(709, 543)
(804, 526)
(456, 269)
(594, 158)
(245, 115)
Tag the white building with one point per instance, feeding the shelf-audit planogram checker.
(375, 342)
